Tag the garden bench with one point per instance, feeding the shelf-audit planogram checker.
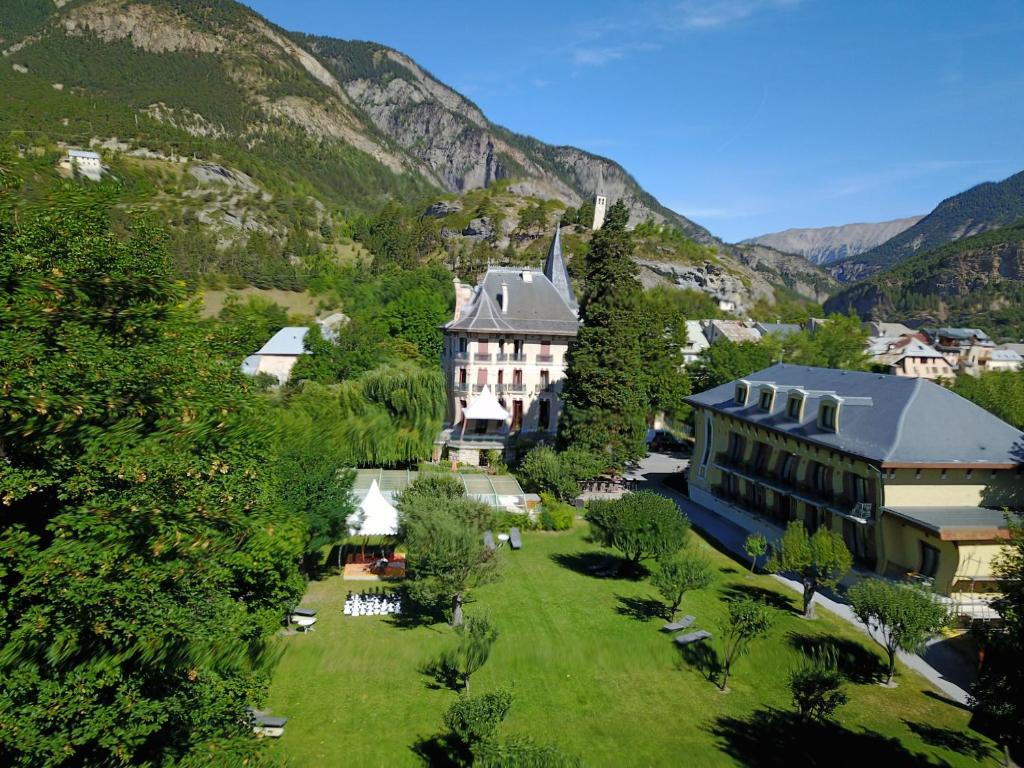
(693, 637)
(676, 626)
(515, 539)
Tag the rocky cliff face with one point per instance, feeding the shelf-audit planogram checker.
(823, 245)
(794, 272)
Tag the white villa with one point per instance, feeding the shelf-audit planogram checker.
(504, 356)
(86, 162)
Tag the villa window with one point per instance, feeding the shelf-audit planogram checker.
(709, 436)
(929, 560)
(767, 399)
(736, 446)
(544, 414)
(794, 407)
(463, 345)
(828, 416)
(741, 394)
(462, 375)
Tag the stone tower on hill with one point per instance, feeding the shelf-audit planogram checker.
(600, 206)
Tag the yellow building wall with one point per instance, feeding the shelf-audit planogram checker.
(928, 487)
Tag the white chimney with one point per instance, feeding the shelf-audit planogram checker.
(504, 297)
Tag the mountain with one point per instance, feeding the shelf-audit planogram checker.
(982, 208)
(977, 281)
(823, 245)
(259, 148)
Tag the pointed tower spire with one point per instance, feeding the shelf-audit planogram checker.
(555, 270)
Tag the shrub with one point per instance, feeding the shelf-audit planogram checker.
(476, 719)
(816, 685)
(556, 515)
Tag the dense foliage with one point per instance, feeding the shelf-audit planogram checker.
(747, 621)
(640, 525)
(559, 473)
(144, 558)
(678, 573)
(821, 559)
(817, 686)
(999, 392)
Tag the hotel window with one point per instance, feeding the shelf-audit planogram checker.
(741, 394)
(822, 478)
(793, 407)
(736, 446)
(767, 399)
(787, 471)
(544, 415)
(462, 375)
(709, 436)
(828, 416)
(463, 345)
(929, 560)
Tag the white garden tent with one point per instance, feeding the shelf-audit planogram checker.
(486, 406)
(375, 516)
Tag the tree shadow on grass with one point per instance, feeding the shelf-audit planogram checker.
(641, 608)
(856, 663)
(961, 742)
(768, 596)
(440, 676)
(770, 738)
(598, 565)
(701, 656)
(441, 751)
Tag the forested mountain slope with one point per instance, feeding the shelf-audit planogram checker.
(982, 208)
(977, 281)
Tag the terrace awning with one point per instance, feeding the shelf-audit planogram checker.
(486, 406)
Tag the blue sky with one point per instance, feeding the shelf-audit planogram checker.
(748, 116)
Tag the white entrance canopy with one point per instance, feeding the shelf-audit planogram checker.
(375, 516)
(486, 406)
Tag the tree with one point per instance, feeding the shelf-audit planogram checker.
(245, 326)
(677, 574)
(546, 471)
(898, 617)
(639, 525)
(726, 361)
(995, 696)
(839, 343)
(606, 397)
(145, 559)
(1000, 392)
(755, 545)
(820, 560)
(475, 720)
(748, 620)
(433, 485)
(416, 316)
(444, 550)
(816, 685)
(473, 647)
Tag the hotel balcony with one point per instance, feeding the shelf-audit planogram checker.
(461, 356)
(505, 357)
(482, 358)
(512, 389)
(545, 358)
(460, 387)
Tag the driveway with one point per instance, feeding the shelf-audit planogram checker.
(945, 668)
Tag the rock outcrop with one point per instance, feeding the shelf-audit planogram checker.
(823, 245)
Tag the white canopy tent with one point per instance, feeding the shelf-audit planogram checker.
(376, 516)
(485, 406)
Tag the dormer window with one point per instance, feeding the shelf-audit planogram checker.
(795, 406)
(742, 393)
(766, 401)
(828, 413)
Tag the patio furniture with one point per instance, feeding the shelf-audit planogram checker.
(676, 626)
(693, 637)
(304, 612)
(515, 539)
(489, 540)
(306, 622)
(267, 725)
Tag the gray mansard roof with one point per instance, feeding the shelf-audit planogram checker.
(888, 419)
(556, 271)
(534, 306)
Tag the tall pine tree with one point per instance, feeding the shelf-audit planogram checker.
(606, 395)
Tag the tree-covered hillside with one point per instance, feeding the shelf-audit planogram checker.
(977, 281)
(982, 208)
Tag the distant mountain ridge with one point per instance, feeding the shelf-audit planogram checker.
(824, 245)
(981, 208)
(976, 281)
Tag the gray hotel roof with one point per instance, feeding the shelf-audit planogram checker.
(888, 419)
(533, 307)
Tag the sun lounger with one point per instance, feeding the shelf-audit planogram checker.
(489, 540)
(304, 612)
(515, 539)
(693, 637)
(266, 725)
(306, 623)
(676, 626)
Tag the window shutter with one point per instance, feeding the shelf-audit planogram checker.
(481, 376)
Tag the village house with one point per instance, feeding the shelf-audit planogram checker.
(696, 341)
(914, 477)
(504, 356)
(731, 330)
(1004, 360)
(85, 162)
(278, 356)
(876, 328)
(909, 356)
(965, 348)
(781, 330)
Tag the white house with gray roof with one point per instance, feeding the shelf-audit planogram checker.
(510, 335)
(914, 477)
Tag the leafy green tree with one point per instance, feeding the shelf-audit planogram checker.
(415, 316)
(817, 686)
(606, 397)
(1000, 392)
(898, 617)
(639, 525)
(839, 343)
(995, 695)
(444, 550)
(145, 560)
(542, 471)
(820, 560)
(474, 720)
(472, 649)
(755, 545)
(748, 620)
(247, 325)
(433, 485)
(678, 573)
(725, 361)
(356, 349)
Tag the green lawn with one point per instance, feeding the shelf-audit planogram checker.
(591, 673)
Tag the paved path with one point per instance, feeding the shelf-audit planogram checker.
(954, 675)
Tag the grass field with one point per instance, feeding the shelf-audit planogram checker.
(591, 672)
(296, 302)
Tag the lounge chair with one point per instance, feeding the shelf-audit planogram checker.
(693, 637)
(515, 539)
(676, 626)
(306, 623)
(489, 540)
(266, 725)
(304, 612)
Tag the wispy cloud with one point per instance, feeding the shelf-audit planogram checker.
(710, 14)
(596, 56)
(866, 182)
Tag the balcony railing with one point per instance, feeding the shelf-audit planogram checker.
(512, 388)
(460, 354)
(461, 386)
(482, 357)
(545, 358)
(541, 388)
(479, 387)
